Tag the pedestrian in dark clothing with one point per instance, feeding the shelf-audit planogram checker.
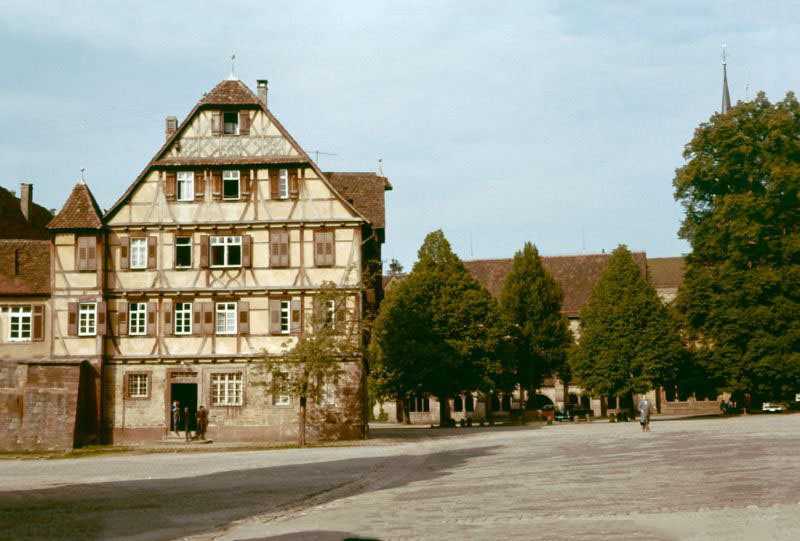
(202, 422)
(187, 423)
(645, 408)
(175, 414)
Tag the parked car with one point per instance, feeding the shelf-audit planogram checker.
(772, 407)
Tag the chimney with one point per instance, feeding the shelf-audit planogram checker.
(172, 126)
(262, 91)
(26, 199)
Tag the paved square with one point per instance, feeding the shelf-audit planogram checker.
(723, 478)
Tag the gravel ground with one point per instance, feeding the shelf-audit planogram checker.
(720, 478)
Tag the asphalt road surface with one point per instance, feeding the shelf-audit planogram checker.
(725, 478)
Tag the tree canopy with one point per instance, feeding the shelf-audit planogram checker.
(628, 343)
(741, 294)
(438, 331)
(530, 303)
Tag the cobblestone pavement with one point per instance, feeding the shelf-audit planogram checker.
(731, 478)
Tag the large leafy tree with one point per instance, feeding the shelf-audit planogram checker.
(741, 294)
(539, 335)
(628, 343)
(438, 332)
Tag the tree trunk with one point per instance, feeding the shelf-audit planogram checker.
(406, 411)
(444, 411)
(301, 431)
(489, 400)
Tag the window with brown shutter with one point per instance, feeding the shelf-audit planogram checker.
(166, 327)
(38, 323)
(152, 310)
(278, 248)
(170, 183)
(101, 319)
(244, 122)
(294, 184)
(208, 318)
(274, 189)
(204, 243)
(246, 183)
(199, 185)
(244, 317)
(275, 316)
(197, 318)
(324, 248)
(86, 253)
(152, 250)
(216, 123)
(247, 251)
(295, 326)
(122, 318)
(124, 251)
(216, 185)
(72, 319)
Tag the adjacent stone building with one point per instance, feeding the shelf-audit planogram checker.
(206, 265)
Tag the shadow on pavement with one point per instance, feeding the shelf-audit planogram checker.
(316, 535)
(169, 508)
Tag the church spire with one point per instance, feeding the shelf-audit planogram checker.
(726, 97)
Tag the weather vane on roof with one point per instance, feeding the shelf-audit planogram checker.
(233, 66)
(724, 55)
(83, 180)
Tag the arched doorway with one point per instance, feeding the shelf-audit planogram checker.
(541, 400)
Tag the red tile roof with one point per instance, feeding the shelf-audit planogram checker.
(577, 275)
(230, 92)
(365, 191)
(79, 212)
(30, 275)
(13, 224)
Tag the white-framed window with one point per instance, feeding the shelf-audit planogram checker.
(286, 317)
(230, 184)
(283, 183)
(226, 389)
(138, 253)
(226, 251)
(87, 319)
(230, 123)
(183, 318)
(137, 314)
(226, 318)
(183, 252)
(330, 312)
(137, 386)
(20, 324)
(279, 380)
(328, 393)
(185, 186)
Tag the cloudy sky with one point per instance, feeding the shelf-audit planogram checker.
(556, 122)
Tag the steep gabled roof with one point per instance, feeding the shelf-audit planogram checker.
(79, 212)
(666, 271)
(226, 93)
(13, 224)
(30, 273)
(365, 191)
(230, 92)
(577, 275)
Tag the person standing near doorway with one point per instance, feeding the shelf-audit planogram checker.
(187, 423)
(202, 422)
(175, 415)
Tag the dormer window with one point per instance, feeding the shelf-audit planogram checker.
(230, 123)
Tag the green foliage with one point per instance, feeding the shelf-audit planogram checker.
(539, 336)
(628, 343)
(395, 267)
(438, 331)
(741, 298)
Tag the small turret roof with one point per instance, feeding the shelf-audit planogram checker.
(230, 92)
(79, 212)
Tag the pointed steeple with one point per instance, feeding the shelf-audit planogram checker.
(79, 212)
(726, 97)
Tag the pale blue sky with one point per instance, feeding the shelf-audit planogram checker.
(555, 122)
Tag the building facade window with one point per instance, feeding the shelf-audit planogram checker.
(286, 317)
(226, 318)
(328, 393)
(330, 312)
(283, 183)
(138, 253)
(226, 389)
(137, 317)
(20, 328)
(137, 386)
(183, 318)
(226, 251)
(185, 180)
(230, 184)
(278, 248)
(279, 381)
(230, 123)
(183, 252)
(87, 319)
